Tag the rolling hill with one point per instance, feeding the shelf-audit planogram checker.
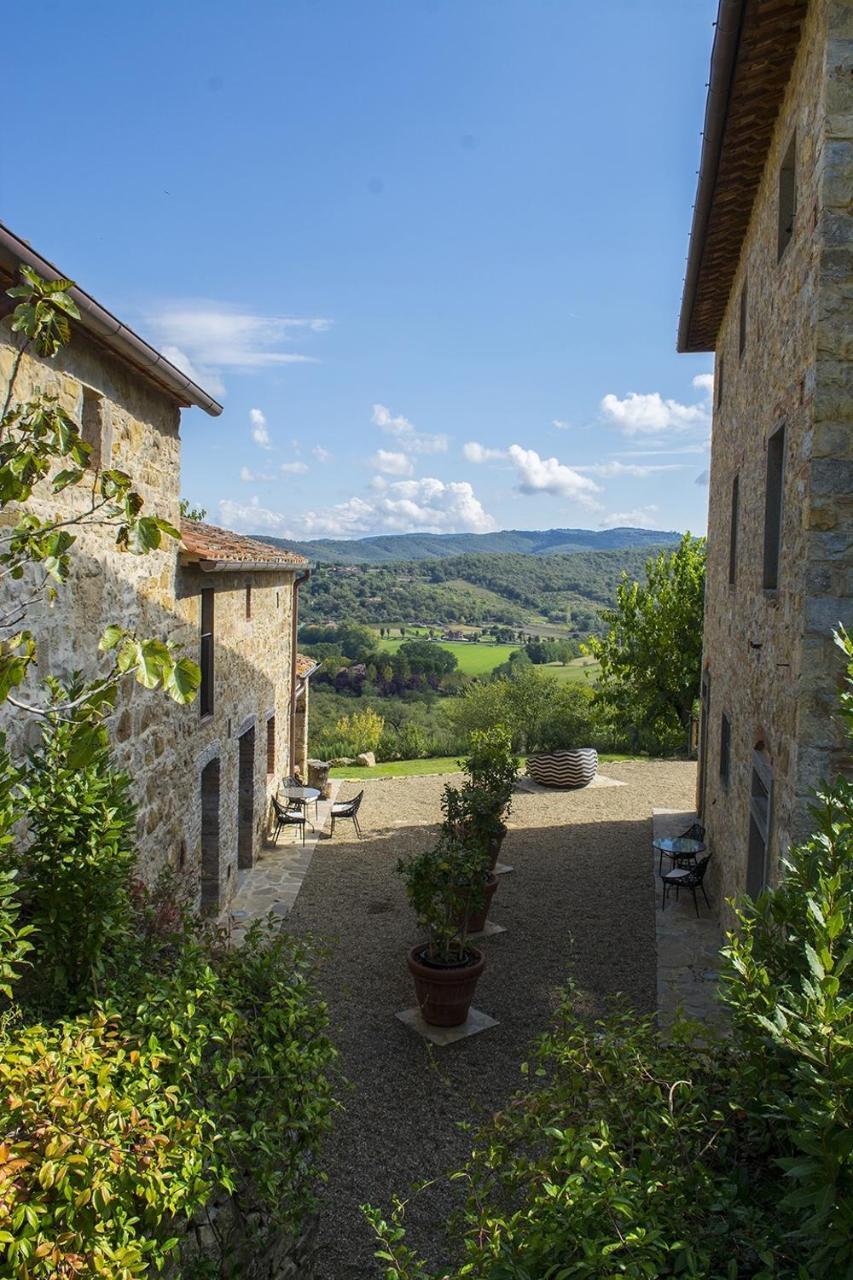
(389, 548)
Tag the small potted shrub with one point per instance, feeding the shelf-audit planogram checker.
(445, 887)
(486, 799)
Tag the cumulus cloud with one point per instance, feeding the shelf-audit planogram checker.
(404, 506)
(639, 518)
(548, 475)
(473, 452)
(391, 463)
(254, 477)
(322, 455)
(405, 434)
(260, 434)
(203, 337)
(560, 424)
(294, 468)
(704, 382)
(649, 413)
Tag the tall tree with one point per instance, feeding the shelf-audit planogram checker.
(652, 654)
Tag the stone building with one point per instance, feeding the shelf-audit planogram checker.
(768, 289)
(203, 774)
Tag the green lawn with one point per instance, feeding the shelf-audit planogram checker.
(418, 768)
(474, 659)
(579, 671)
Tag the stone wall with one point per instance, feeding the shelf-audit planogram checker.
(768, 654)
(163, 747)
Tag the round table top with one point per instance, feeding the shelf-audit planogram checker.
(301, 793)
(679, 845)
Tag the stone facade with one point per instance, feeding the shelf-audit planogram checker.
(134, 424)
(770, 667)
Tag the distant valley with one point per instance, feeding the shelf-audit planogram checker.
(552, 582)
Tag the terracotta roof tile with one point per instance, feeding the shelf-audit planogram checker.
(305, 665)
(205, 542)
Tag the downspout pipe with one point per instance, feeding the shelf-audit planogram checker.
(294, 627)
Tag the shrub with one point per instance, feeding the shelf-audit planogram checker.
(444, 885)
(569, 722)
(360, 731)
(74, 865)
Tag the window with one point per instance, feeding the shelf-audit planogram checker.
(733, 521)
(270, 746)
(741, 342)
(206, 657)
(787, 198)
(773, 508)
(210, 900)
(93, 428)
(248, 604)
(760, 801)
(725, 749)
(719, 382)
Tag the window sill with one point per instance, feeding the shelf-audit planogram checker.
(206, 718)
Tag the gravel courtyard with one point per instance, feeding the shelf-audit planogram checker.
(580, 898)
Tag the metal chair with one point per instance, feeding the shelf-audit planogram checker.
(287, 816)
(687, 878)
(347, 809)
(694, 832)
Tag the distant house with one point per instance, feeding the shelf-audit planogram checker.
(768, 290)
(202, 775)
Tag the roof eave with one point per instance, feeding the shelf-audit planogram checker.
(237, 566)
(104, 326)
(723, 60)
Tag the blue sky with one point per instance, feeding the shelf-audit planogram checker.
(428, 252)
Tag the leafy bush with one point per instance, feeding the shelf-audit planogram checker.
(444, 885)
(74, 866)
(360, 731)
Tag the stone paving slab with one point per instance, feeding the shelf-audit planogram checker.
(273, 883)
(475, 1022)
(687, 948)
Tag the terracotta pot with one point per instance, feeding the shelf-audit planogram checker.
(477, 919)
(494, 847)
(444, 993)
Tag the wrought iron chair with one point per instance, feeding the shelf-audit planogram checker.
(687, 878)
(347, 809)
(287, 816)
(694, 832)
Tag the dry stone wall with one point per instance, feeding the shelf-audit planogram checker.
(162, 746)
(768, 653)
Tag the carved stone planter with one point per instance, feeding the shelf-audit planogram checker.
(564, 768)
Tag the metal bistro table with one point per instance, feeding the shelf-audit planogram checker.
(302, 796)
(678, 849)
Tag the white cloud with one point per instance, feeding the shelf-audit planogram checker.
(260, 434)
(473, 452)
(322, 455)
(208, 378)
(391, 463)
(704, 382)
(609, 469)
(650, 413)
(254, 477)
(640, 518)
(210, 336)
(294, 468)
(405, 506)
(548, 475)
(405, 434)
(560, 424)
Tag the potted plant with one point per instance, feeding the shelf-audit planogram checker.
(476, 812)
(445, 886)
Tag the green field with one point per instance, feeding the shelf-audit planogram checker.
(580, 671)
(437, 764)
(474, 659)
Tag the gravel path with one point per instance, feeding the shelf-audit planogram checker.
(580, 895)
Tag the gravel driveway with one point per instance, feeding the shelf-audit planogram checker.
(580, 895)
